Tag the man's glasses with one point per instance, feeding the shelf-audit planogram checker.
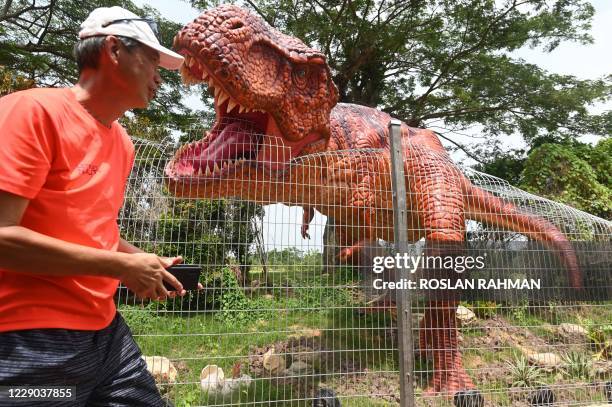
(152, 24)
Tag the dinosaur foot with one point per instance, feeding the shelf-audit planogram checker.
(450, 382)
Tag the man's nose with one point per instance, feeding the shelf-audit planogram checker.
(157, 78)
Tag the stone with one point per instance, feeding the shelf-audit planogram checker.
(212, 378)
(297, 368)
(545, 360)
(465, 315)
(273, 363)
(570, 331)
(161, 368)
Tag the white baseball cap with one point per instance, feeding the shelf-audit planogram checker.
(119, 21)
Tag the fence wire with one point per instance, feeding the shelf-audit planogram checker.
(295, 310)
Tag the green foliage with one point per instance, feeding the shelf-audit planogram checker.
(485, 309)
(577, 365)
(563, 173)
(600, 337)
(522, 374)
(139, 319)
(318, 295)
(194, 230)
(506, 165)
(294, 260)
(236, 308)
(11, 82)
(520, 313)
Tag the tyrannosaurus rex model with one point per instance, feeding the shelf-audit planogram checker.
(276, 109)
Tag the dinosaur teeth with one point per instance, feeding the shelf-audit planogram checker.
(230, 105)
(216, 168)
(222, 97)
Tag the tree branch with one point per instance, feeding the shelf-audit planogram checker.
(46, 27)
(18, 13)
(261, 14)
(461, 147)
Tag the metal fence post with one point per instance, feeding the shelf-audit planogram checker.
(404, 309)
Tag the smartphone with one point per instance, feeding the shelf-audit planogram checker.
(187, 274)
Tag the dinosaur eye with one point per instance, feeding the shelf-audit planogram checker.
(300, 76)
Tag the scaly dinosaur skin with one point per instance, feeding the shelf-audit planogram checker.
(266, 82)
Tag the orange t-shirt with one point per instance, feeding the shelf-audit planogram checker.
(73, 170)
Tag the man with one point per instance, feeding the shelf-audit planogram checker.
(64, 162)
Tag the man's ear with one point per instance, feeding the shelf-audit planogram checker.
(112, 48)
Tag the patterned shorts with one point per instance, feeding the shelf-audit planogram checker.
(105, 367)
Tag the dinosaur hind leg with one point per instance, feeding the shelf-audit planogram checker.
(436, 195)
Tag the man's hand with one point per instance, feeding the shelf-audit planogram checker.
(144, 275)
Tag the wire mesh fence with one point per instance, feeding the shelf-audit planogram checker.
(302, 280)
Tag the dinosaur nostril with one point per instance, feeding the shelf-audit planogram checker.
(235, 24)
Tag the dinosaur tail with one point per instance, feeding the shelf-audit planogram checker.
(487, 208)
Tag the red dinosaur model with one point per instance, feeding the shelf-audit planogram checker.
(268, 83)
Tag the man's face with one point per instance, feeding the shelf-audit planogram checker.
(139, 75)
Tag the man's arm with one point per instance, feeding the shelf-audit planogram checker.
(24, 250)
(127, 247)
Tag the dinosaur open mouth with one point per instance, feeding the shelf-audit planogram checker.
(238, 136)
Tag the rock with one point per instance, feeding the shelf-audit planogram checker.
(213, 381)
(602, 368)
(297, 368)
(268, 296)
(465, 315)
(304, 332)
(161, 368)
(231, 386)
(212, 378)
(545, 360)
(273, 363)
(572, 332)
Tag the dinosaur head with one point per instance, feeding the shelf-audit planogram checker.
(273, 96)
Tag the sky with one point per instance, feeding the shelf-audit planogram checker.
(281, 226)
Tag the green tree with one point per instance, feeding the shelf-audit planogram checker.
(576, 175)
(37, 38)
(571, 172)
(10, 82)
(448, 62)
